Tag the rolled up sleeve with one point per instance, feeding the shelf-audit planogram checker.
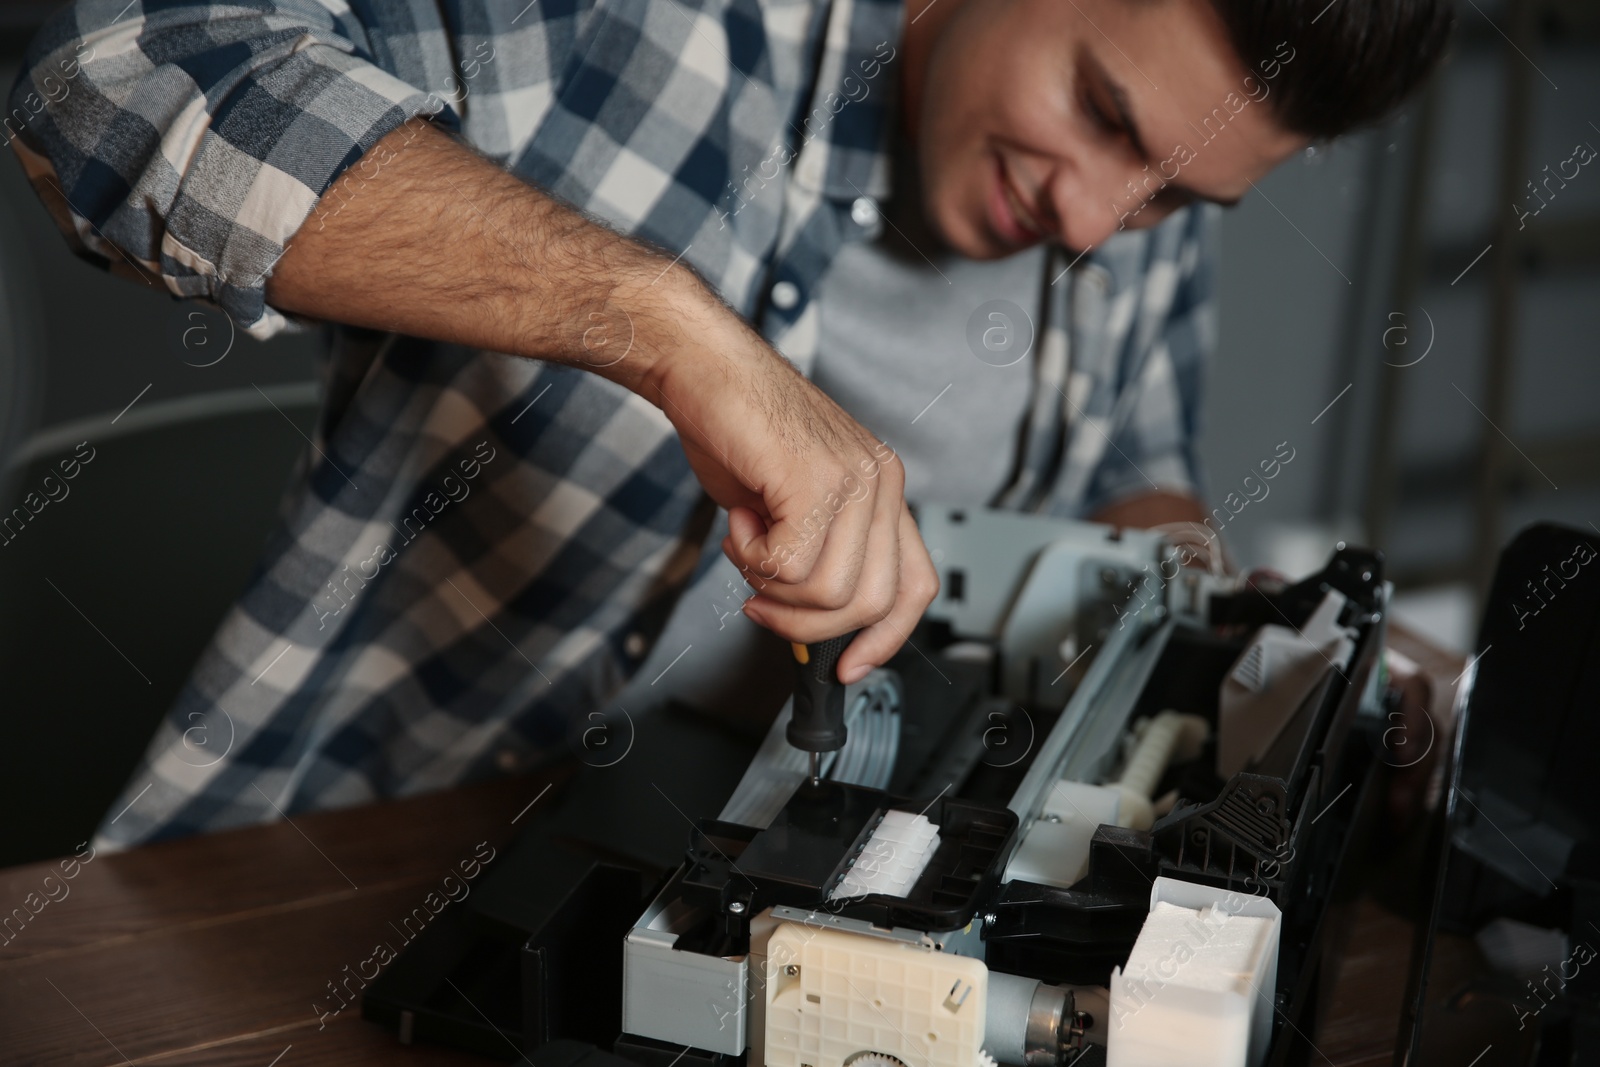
(189, 141)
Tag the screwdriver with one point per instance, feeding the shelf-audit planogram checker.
(816, 724)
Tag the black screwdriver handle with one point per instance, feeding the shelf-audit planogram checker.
(817, 722)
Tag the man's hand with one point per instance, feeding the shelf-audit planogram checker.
(426, 238)
(817, 517)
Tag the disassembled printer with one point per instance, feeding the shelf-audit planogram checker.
(1096, 810)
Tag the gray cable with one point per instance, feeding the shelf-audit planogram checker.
(872, 717)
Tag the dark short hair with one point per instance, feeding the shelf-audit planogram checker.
(1354, 60)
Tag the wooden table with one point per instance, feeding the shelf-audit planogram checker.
(210, 950)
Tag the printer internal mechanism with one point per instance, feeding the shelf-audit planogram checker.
(1099, 809)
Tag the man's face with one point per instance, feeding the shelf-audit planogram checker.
(1034, 116)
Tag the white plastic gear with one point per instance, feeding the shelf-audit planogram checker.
(876, 1059)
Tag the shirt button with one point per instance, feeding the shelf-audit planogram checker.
(633, 645)
(864, 212)
(785, 295)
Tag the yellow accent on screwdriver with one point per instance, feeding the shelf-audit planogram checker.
(802, 654)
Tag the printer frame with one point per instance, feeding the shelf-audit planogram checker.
(591, 945)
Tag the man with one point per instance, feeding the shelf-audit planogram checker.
(532, 410)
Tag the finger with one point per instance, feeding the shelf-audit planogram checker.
(766, 562)
(856, 534)
(918, 585)
(855, 527)
(745, 530)
(870, 598)
(822, 533)
(831, 537)
(781, 550)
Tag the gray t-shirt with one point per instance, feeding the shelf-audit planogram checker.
(895, 352)
(903, 322)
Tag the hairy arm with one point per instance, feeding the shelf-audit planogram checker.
(426, 238)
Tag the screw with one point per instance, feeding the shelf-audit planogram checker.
(736, 908)
(990, 918)
(792, 970)
(1266, 805)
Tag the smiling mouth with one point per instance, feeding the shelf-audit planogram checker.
(1019, 210)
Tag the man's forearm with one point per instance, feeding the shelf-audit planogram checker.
(1156, 508)
(425, 237)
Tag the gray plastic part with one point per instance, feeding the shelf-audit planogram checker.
(683, 998)
(1083, 742)
(995, 550)
(1044, 618)
(1039, 586)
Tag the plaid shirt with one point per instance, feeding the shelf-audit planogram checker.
(481, 549)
